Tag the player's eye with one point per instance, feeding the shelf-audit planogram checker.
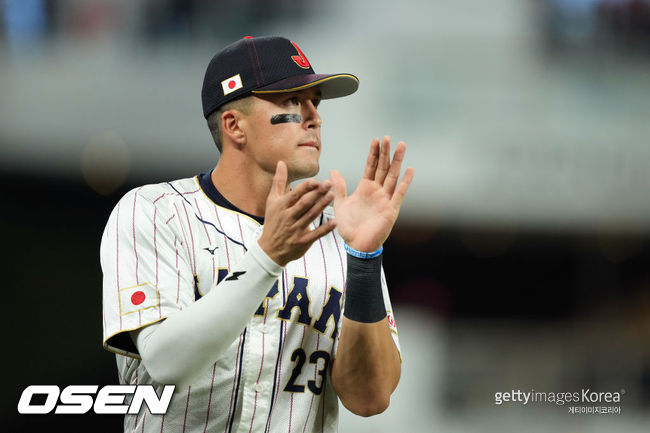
(293, 101)
(316, 102)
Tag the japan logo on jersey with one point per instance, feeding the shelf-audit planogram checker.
(137, 298)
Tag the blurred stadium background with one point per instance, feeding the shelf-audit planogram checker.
(522, 257)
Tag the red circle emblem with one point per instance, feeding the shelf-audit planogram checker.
(231, 84)
(138, 297)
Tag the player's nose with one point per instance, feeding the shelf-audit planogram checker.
(310, 115)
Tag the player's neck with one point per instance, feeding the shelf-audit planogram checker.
(247, 191)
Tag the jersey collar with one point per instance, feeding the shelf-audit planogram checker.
(205, 181)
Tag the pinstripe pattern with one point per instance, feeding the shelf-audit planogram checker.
(234, 384)
(158, 234)
(207, 234)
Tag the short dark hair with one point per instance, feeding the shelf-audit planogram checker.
(214, 118)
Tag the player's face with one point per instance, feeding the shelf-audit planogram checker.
(286, 127)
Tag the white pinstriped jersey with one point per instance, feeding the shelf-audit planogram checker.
(164, 247)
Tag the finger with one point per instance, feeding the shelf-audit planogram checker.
(312, 213)
(372, 160)
(280, 178)
(340, 188)
(303, 188)
(306, 202)
(395, 168)
(384, 160)
(320, 231)
(402, 188)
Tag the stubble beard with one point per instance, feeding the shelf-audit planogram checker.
(303, 171)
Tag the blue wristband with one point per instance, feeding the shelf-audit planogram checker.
(362, 254)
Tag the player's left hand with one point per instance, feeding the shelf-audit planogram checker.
(366, 217)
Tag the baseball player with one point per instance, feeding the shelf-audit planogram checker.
(262, 303)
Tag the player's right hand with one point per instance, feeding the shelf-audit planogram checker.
(287, 234)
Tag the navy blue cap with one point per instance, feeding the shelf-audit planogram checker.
(262, 65)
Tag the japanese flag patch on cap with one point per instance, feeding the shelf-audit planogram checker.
(138, 298)
(267, 64)
(231, 84)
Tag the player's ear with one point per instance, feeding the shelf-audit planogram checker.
(232, 127)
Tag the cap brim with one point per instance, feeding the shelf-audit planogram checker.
(331, 85)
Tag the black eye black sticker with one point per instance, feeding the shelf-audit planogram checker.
(286, 118)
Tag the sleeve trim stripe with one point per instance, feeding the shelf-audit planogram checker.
(119, 351)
